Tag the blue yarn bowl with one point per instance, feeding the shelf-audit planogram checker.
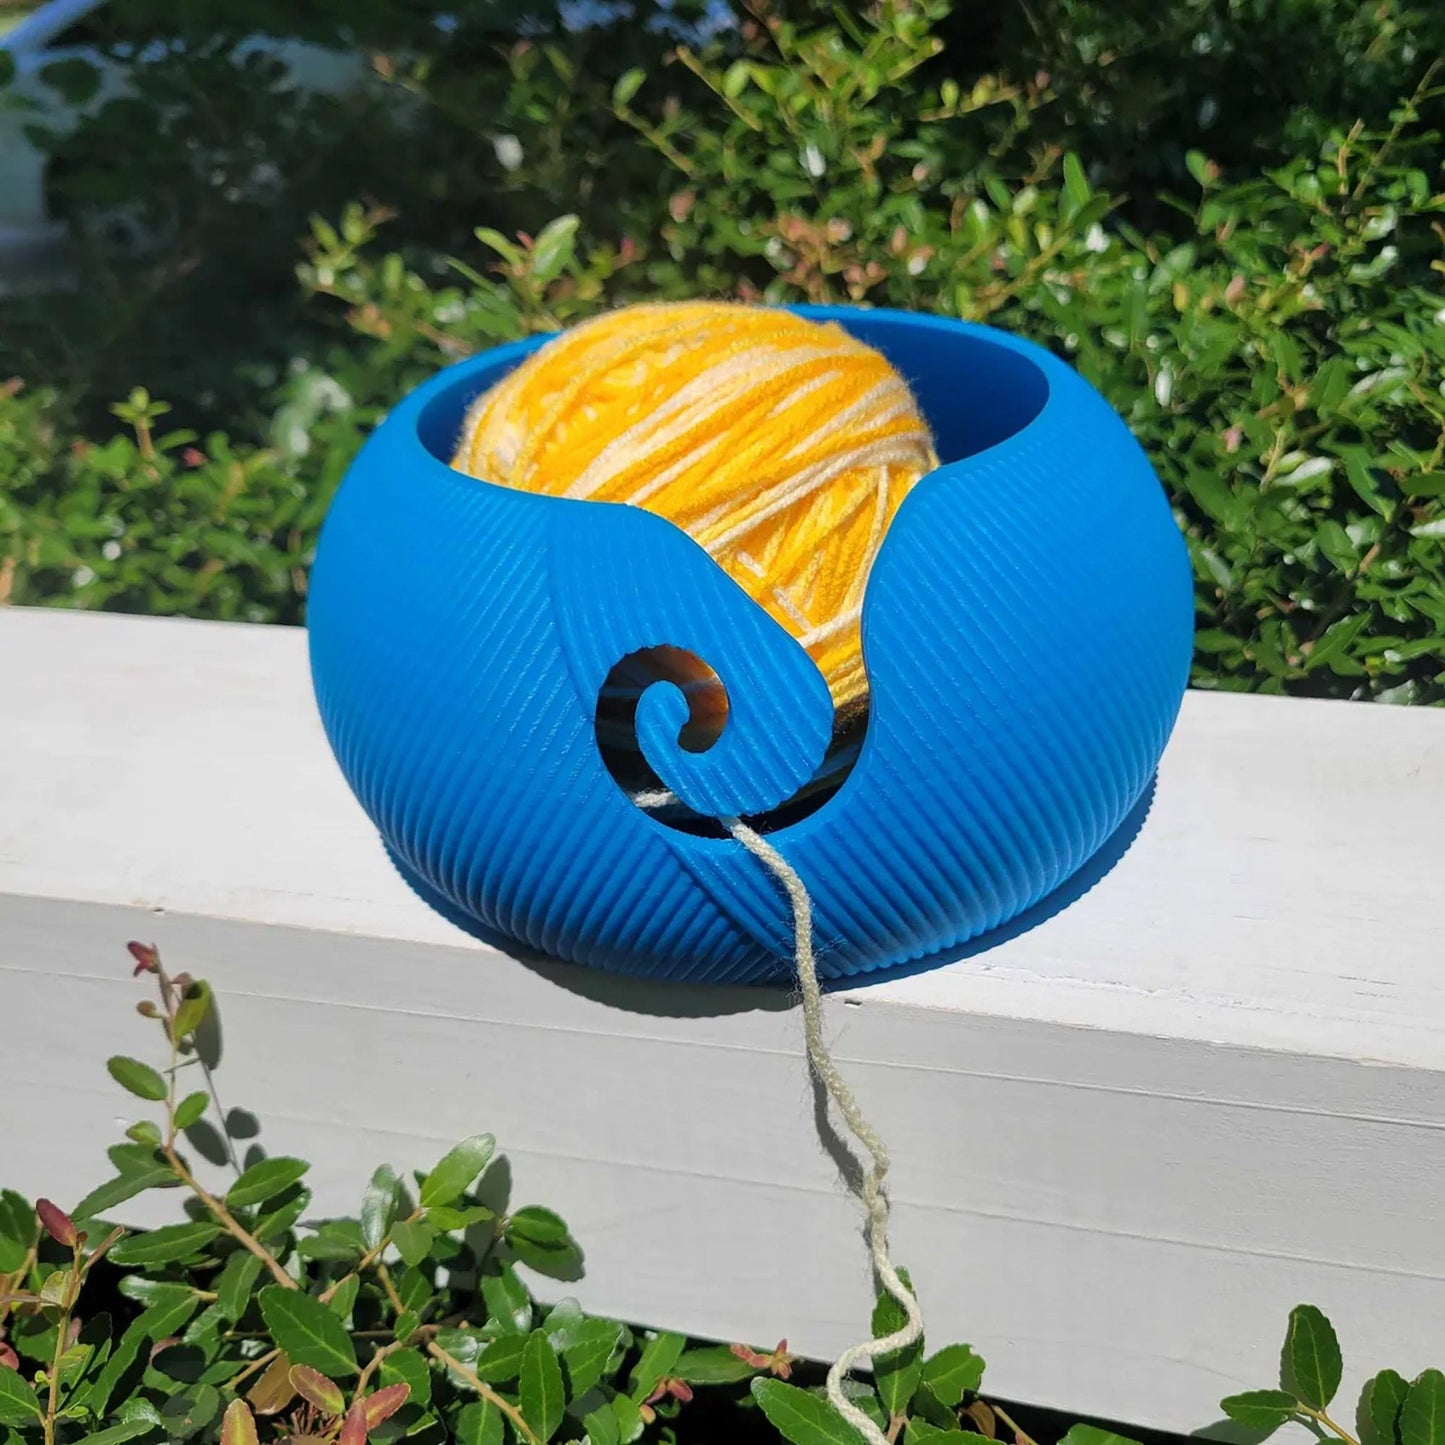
(1027, 631)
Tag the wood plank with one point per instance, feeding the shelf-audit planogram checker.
(1126, 1141)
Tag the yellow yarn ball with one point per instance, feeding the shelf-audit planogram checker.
(782, 446)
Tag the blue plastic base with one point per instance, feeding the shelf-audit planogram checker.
(1026, 631)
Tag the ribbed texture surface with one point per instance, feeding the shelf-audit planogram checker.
(1026, 632)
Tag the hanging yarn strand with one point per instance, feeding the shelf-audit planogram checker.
(784, 448)
(875, 1201)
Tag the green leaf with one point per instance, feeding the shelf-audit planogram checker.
(379, 1205)
(152, 1292)
(628, 84)
(446, 1217)
(735, 79)
(509, 251)
(501, 1360)
(1379, 1411)
(800, 1417)
(413, 1239)
(344, 1300)
(408, 1367)
(1093, 1435)
(206, 1327)
(19, 1229)
(235, 1283)
(479, 1423)
(920, 1432)
(18, 1402)
(508, 1302)
(896, 1374)
(629, 1419)
(144, 1131)
(562, 1259)
(952, 1373)
(1197, 163)
(161, 1246)
(414, 1289)
(133, 1158)
(139, 1078)
(195, 1005)
(554, 249)
(186, 1414)
(190, 1109)
(1264, 1410)
(116, 1434)
(307, 1332)
(1077, 191)
(284, 1212)
(170, 1306)
(601, 1427)
(264, 1180)
(586, 1353)
(542, 1397)
(124, 1186)
(457, 1169)
(137, 1408)
(1312, 1364)
(1422, 1416)
(540, 1225)
(712, 1365)
(659, 1357)
(336, 1239)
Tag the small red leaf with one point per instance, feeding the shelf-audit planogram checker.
(58, 1224)
(354, 1427)
(238, 1426)
(385, 1403)
(161, 1346)
(147, 958)
(8, 1357)
(314, 1387)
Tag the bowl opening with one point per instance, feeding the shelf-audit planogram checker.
(975, 392)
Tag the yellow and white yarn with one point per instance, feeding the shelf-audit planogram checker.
(782, 446)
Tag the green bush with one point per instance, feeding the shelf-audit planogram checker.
(248, 1318)
(1265, 312)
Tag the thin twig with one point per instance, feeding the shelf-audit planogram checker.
(1020, 1434)
(367, 1259)
(259, 1363)
(62, 1329)
(224, 1215)
(486, 1392)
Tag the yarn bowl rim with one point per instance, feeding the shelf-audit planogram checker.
(432, 415)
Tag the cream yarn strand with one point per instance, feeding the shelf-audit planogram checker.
(874, 1199)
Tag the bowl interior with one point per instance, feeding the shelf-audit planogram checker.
(975, 390)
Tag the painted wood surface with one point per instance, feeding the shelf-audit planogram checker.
(1126, 1139)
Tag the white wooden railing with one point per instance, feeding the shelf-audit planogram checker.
(1126, 1141)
